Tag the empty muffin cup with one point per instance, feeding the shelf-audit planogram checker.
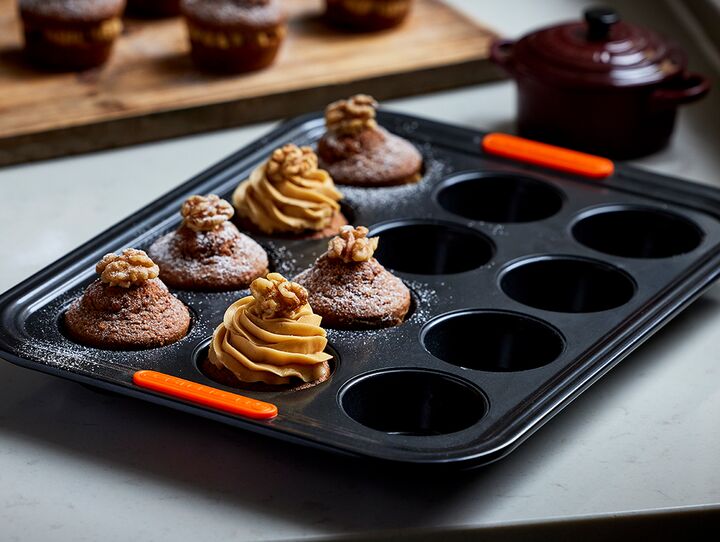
(503, 198)
(637, 232)
(431, 247)
(496, 341)
(413, 402)
(567, 284)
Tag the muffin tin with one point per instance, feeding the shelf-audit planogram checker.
(528, 285)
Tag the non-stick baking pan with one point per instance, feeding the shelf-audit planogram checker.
(528, 285)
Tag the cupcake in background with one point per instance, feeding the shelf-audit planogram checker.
(70, 34)
(367, 15)
(289, 196)
(234, 36)
(355, 150)
(153, 8)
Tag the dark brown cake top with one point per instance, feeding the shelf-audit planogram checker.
(73, 10)
(131, 268)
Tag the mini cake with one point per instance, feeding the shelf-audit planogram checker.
(128, 307)
(71, 34)
(234, 35)
(350, 289)
(153, 8)
(356, 151)
(367, 15)
(288, 195)
(207, 252)
(270, 340)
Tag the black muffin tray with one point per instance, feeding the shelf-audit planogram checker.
(528, 285)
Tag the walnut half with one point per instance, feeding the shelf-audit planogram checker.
(352, 245)
(277, 297)
(205, 213)
(290, 161)
(131, 268)
(351, 116)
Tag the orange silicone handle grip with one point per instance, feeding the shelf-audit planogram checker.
(550, 156)
(205, 395)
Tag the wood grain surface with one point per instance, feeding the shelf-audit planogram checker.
(150, 89)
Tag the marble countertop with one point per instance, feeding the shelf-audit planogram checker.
(79, 465)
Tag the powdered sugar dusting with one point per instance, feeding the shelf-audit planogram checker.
(423, 308)
(220, 259)
(282, 260)
(425, 299)
(83, 10)
(260, 13)
(47, 345)
(355, 294)
(394, 199)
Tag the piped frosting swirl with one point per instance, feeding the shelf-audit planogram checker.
(351, 116)
(288, 193)
(271, 336)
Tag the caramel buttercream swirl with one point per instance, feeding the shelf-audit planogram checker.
(288, 193)
(271, 346)
(351, 116)
(352, 245)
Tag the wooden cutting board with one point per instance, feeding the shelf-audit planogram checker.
(150, 90)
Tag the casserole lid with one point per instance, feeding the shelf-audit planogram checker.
(601, 51)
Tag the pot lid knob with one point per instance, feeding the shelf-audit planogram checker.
(599, 21)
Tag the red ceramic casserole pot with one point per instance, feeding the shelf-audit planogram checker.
(601, 86)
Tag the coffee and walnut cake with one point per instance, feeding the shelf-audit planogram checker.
(269, 340)
(128, 307)
(355, 150)
(207, 252)
(350, 289)
(288, 195)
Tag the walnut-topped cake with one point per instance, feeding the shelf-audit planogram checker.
(350, 289)
(355, 150)
(207, 252)
(127, 307)
(289, 195)
(269, 340)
